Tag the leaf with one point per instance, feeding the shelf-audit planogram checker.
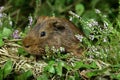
(59, 4)
(6, 32)
(71, 78)
(79, 8)
(115, 66)
(93, 65)
(50, 67)
(59, 68)
(78, 65)
(81, 65)
(77, 75)
(94, 3)
(68, 67)
(1, 42)
(90, 74)
(118, 76)
(86, 30)
(97, 72)
(18, 3)
(24, 76)
(42, 77)
(1, 74)
(21, 51)
(7, 68)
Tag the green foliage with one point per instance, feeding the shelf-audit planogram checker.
(25, 76)
(1, 42)
(79, 8)
(59, 68)
(21, 51)
(43, 77)
(5, 28)
(81, 64)
(6, 32)
(18, 3)
(1, 74)
(99, 21)
(50, 68)
(6, 70)
(55, 67)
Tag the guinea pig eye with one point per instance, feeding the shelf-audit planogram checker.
(43, 33)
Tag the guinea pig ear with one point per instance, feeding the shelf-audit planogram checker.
(58, 26)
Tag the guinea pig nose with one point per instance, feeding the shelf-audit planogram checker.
(26, 46)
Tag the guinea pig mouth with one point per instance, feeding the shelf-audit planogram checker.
(40, 51)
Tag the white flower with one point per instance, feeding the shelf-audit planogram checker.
(79, 37)
(30, 20)
(105, 25)
(1, 15)
(104, 39)
(92, 22)
(104, 16)
(53, 49)
(106, 49)
(97, 11)
(62, 49)
(91, 37)
(1, 8)
(10, 22)
(89, 24)
(94, 49)
(71, 18)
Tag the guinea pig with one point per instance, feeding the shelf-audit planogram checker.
(53, 31)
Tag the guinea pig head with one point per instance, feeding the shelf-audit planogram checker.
(52, 31)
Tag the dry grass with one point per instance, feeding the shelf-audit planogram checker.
(20, 63)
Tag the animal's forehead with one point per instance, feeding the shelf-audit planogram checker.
(42, 25)
(43, 18)
(48, 22)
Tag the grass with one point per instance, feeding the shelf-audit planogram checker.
(101, 59)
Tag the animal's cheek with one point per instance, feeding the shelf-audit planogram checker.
(28, 49)
(35, 50)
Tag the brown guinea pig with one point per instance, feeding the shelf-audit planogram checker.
(52, 31)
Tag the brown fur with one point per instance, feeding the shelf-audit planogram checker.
(58, 33)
